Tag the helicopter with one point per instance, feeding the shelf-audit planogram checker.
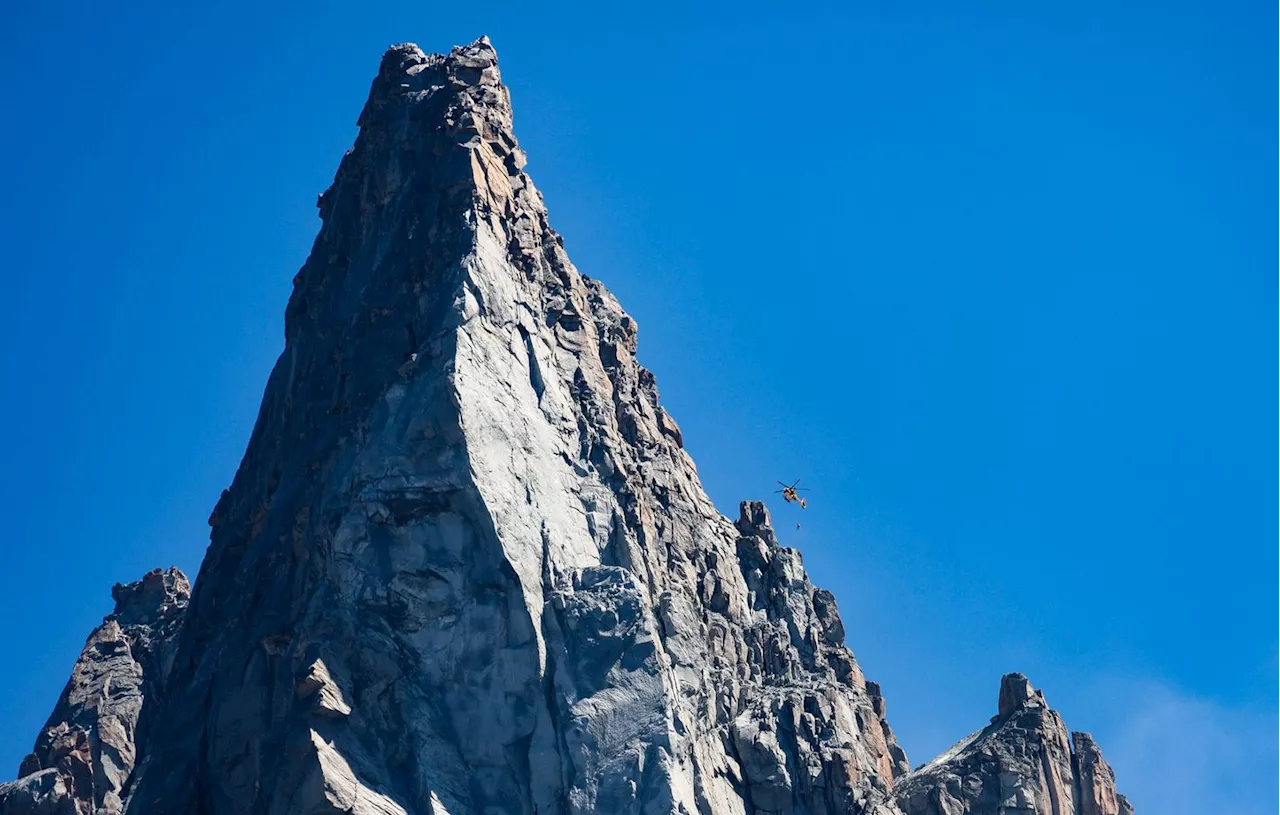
(791, 493)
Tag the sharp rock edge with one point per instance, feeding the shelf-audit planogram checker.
(467, 567)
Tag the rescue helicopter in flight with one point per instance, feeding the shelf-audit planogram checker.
(791, 493)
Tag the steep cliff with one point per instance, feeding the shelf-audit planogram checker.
(87, 751)
(1024, 762)
(466, 565)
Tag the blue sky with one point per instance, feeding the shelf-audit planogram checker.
(996, 280)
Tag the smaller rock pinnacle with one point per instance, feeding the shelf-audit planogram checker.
(1015, 691)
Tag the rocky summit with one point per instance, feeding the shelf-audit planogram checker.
(1023, 762)
(87, 754)
(467, 567)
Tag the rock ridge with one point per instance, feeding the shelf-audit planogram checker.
(1023, 763)
(86, 753)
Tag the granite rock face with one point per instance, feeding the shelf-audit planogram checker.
(1095, 783)
(466, 566)
(86, 754)
(1023, 763)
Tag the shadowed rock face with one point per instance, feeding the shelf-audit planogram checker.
(466, 565)
(1095, 783)
(1023, 763)
(88, 749)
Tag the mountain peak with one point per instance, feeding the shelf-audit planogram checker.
(159, 592)
(466, 564)
(1015, 692)
(1024, 761)
(95, 738)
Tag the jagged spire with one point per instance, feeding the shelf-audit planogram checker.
(466, 564)
(1024, 761)
(87, 751)
(1015, 691)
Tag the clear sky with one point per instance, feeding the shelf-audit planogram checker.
(997, 280)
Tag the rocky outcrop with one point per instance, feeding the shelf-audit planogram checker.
(1023, 763)
(466, 565)
(88, 749)
(1095, 783)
